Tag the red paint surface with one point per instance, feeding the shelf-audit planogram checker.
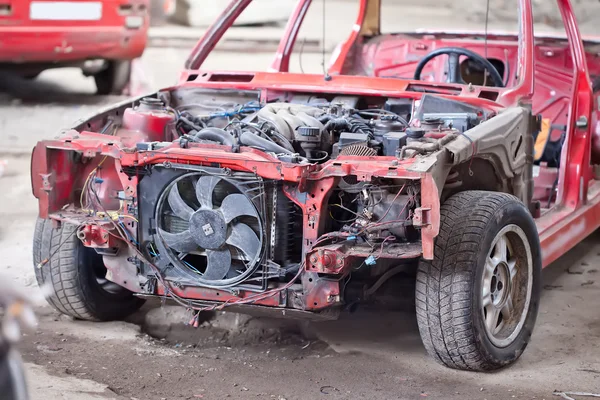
(25, 40)
(150, 124)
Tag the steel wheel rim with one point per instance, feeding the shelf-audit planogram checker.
(507, 282)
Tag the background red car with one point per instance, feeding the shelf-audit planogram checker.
(101, 37)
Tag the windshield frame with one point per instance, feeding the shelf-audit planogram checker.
(367, 23)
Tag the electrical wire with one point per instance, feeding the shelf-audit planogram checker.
(129, 216)
(377, 112)
(192, 267)
(87, 181)
(391, 238)
(346, 209)
(60, 245)
(301, 53)
(88, 187)
(169, 292)
(392, 203)
(157, 271)
(341, 221)
(261, 296)
(120, 231)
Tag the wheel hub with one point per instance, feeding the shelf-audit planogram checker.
(506, 285)
(500, 285)
(208, 229)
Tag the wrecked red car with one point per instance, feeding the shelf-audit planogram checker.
(100, 37)
(462, 158)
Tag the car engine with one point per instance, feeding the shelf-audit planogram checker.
(217, 228)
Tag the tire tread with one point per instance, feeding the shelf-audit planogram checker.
(444, 285)
(60, 276)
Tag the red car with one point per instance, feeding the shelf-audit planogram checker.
(465, 159)
(101, 37)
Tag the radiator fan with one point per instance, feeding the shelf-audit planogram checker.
(211, 228)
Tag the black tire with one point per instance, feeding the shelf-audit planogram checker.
(72, 272)
(450, 310)
(114, 78)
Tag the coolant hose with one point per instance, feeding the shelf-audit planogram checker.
(215, 135)
(250, 139)
(428, 146)
(338, 124)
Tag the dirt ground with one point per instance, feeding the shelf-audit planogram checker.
(362, 356)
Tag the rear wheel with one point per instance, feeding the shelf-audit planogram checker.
(114, 78)
(77, 277)
(477, 301)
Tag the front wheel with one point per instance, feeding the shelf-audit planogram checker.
(75, 276)
(477, 301)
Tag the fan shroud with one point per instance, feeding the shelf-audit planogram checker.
(210, 228)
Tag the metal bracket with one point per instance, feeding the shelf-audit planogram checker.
(422, 217)
(582, 122)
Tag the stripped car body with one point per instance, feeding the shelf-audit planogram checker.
(293, 183)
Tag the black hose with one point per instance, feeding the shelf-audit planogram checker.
(191, 122)
(280, 139)
(338, 124)
(325, 118)
(250, 139)
(358, 125)
(216, 135)
(354, 125)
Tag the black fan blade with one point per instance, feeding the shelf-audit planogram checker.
(181, 242)
(219, 263)
(236, 205)
(244, 238)
(204, 190)
(179, 207)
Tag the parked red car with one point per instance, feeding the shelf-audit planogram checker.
(101, 37)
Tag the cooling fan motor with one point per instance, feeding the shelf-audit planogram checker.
(210, 228)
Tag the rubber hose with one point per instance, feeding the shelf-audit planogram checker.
(216, 135)
(250, 139)
(360, 126)
(325, 118)
(338, 124)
